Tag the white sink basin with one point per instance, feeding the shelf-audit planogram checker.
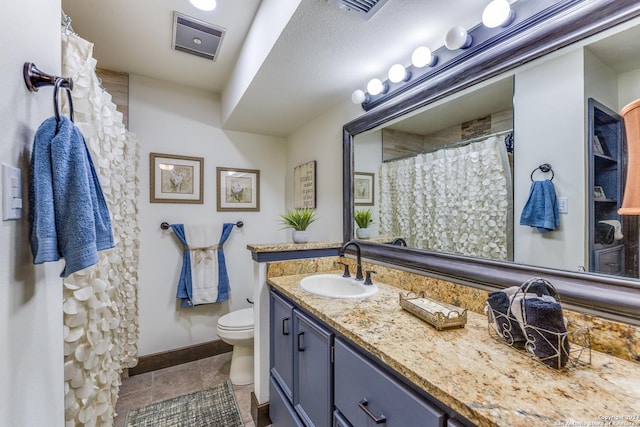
(336, 286)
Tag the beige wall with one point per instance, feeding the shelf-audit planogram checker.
(31, 360)
(175, 119)
(549, 128)
(321, 140)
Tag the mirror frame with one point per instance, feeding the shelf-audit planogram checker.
(605, 296)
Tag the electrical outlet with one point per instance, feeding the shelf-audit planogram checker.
(11, 193)
(563, 205)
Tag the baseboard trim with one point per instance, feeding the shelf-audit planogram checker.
(153, 362)
(259, 413)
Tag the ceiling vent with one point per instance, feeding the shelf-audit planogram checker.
(196, 37)
(363, 8)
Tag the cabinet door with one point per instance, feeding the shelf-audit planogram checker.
(281, 334)
(281, 412)
(312, 384)
(368, 396)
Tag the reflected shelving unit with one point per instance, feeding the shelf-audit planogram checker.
(607, 171)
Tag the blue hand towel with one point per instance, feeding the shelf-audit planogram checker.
(541, 209)
(67, 211)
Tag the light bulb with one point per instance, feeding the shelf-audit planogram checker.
(498, 13)
(375, 87)
(398, 73)
(204, 4)
(358, 96)
(422, 57)
(457, 38)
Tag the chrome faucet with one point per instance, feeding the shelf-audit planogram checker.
(358, 257)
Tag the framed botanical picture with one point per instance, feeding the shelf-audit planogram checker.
(598, 193)
(363, 188)
(304, 186)
(176, 179)
(238, 189)
(597, 145)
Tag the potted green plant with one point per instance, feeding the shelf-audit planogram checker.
(299, 220)
(363, 218)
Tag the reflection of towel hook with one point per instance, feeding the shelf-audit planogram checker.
(545, 167)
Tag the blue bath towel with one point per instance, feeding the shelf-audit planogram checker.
(67, 211)
(186, 282)
(541, 209)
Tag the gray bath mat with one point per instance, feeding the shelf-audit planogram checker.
(215, 406)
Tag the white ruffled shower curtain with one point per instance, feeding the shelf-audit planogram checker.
(456, 200)
(100, 302)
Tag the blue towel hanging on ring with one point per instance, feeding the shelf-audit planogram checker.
(541, 209)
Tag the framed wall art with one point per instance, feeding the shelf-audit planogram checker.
(176, 179)
(304, 186)
(363, 188)
(238, 189)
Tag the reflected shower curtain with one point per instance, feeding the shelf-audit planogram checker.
(455, 200)
(100, 302)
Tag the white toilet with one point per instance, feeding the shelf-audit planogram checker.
(236, 329)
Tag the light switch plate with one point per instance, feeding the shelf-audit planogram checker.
(11, 192)
(563, 205)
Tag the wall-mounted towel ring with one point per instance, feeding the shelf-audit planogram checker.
(545, 167)
(34, 79)
(59, 84)
(165, 225)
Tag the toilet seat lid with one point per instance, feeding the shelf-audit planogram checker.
(239, 319)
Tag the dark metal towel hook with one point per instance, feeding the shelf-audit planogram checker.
(35, 78)
(545, 167)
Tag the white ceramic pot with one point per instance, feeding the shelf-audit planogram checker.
(300, 236)
(363, 233)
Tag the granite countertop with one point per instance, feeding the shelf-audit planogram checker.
(489, 383)
(283, 247)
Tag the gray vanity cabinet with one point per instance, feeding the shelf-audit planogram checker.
(320, 379)
(366, 395)
(301, 382)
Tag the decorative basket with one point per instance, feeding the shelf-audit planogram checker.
(438, 314)
(559, 350)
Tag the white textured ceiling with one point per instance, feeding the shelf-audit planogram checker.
(320, 57)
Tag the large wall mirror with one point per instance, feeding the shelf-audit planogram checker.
(453, 161)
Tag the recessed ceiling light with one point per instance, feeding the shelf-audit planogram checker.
(204, 4)
(197, 40)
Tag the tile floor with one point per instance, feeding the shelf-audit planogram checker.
(151, 387)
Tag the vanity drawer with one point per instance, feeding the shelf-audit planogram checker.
(280, 410)
(610, 260)
(366, 395)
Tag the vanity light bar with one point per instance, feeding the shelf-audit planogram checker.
(462, 46)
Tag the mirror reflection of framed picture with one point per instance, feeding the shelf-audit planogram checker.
(597, 145)
(238, 189)
(363, 188)
(598, 193)
(176, 179)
